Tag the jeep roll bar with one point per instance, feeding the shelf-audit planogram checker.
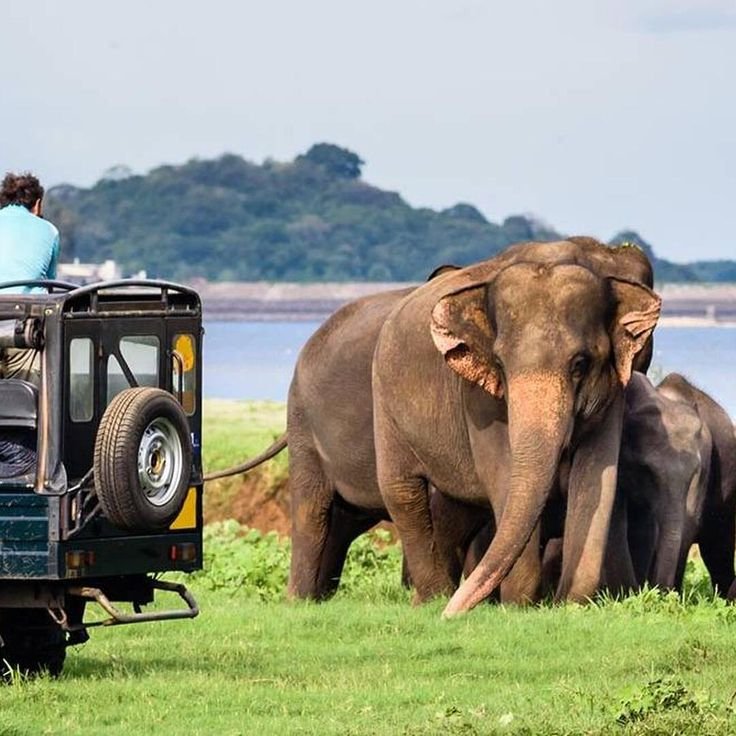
(48, 284)
(125, 283)
(66, 286)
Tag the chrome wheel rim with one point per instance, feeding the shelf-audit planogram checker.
(160, 461)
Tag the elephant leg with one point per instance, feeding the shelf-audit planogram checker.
(671, 551)
(312, 494)
(408, 504)
(590, 502)
(405, 492)
(717, 548)
(619, 575)
(551, 566)
(405, 574)
(346, 523)
(642, 536)
(457, 527)
(478, 547)
(522, 584)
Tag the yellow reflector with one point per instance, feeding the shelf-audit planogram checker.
(184, 345)
(187, 518)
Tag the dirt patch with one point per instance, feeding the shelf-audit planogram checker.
(259, 500)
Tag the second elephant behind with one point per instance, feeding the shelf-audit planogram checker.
(677, 480)
(676, 487)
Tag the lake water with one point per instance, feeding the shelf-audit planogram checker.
(255, 360)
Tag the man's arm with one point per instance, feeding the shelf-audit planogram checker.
(55, 248)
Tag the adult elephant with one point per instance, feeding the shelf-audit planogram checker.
(488, 379)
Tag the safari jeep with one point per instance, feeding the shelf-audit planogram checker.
(100, 461)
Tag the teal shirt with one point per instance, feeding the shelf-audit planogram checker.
(29, 246)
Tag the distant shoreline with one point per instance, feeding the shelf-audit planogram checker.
(683, 305)
(674, 321)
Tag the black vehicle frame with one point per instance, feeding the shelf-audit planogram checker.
(58, 547)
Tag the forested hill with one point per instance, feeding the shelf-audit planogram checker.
(312, 219)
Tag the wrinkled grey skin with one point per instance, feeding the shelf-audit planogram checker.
(334, 490)
(676, 488)
(485, 379)
(718, 523)
(677, 478)
(332, 470)
(332, 467)
(516, 588)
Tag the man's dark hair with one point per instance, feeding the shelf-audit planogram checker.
(23, 189)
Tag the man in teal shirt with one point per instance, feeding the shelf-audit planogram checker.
(29, 251)
(29, 245)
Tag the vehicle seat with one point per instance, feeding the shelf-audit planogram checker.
(18, 424)
(18, 404)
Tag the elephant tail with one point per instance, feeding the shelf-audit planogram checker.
(253, 462)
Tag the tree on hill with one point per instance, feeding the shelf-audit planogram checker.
(337, 161)
(311, 219)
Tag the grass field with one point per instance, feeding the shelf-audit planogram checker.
(367, 662)
(236, 430)
(232, 432)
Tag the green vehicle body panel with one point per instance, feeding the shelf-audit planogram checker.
(25, 548)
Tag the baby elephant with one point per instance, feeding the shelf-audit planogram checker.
(677, 481)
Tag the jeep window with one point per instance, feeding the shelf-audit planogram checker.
(141, 356)
(81, 379)
(185, 373)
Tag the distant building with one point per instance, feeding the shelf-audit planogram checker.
(89, 273)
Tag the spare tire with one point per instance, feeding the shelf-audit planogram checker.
(143, 459)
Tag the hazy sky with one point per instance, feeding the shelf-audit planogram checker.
(594, 116)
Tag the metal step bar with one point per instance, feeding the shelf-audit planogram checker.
(118, 617)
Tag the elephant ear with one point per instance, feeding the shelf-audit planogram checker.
(636, 313)
(462, 333)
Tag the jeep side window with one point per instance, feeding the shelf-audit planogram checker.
(81, 379)
(141, 354)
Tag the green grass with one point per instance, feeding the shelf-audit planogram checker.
(367, 662)
(236, 430)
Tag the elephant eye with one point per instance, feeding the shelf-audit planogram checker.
(580, 365)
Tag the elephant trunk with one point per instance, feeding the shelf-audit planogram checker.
(540, 412)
